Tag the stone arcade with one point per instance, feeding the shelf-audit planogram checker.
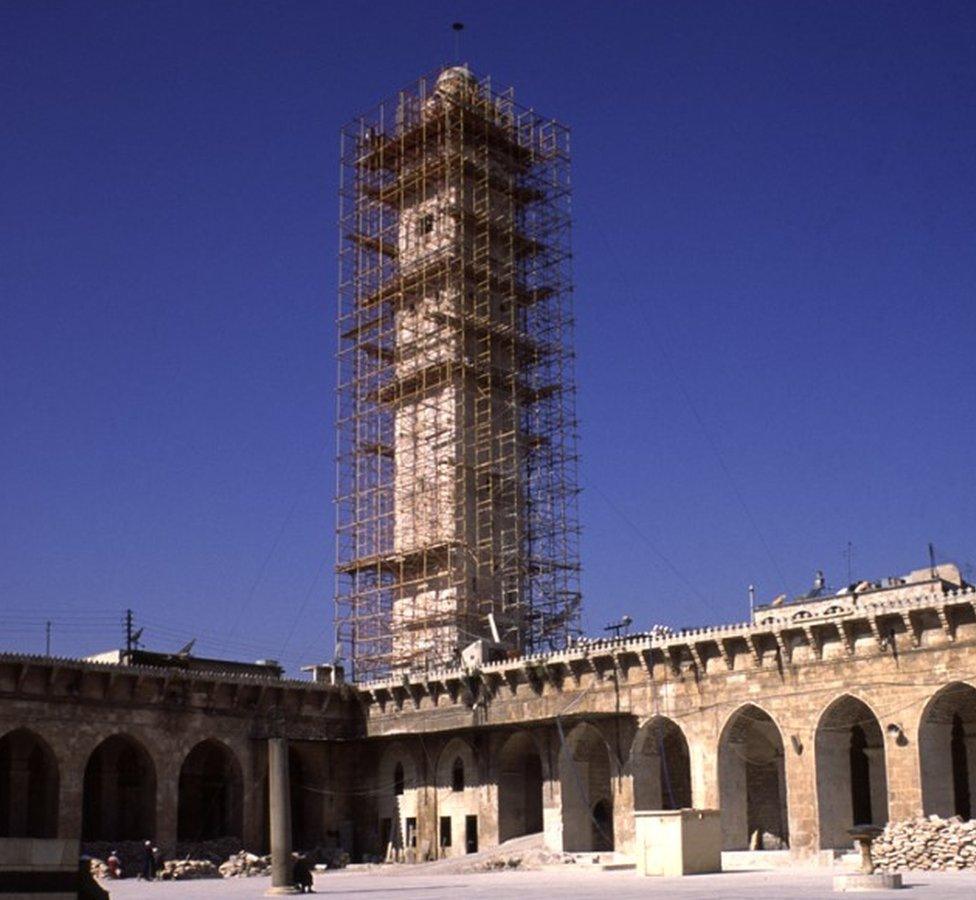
(458, 573)
(796, 726)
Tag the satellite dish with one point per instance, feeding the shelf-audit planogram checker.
(186, 648)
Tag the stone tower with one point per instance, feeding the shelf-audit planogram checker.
(457, 443)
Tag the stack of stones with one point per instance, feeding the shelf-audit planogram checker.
(245, 865)
(99, 868)
(930, 843)
(184, 869)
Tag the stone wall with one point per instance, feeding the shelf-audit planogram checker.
(793, 732)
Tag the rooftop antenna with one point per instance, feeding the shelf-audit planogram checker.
(752, 599)
(128, 631)
(616, 627)
(457, 28)
(932, 560)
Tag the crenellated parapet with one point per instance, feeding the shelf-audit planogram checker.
(795, 635)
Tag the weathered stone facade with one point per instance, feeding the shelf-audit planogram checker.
(793, 728)
(110, 752)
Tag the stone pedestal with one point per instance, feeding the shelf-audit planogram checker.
(678, 841)
(279, 807)
(876, 881)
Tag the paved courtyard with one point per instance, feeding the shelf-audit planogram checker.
(571, 885)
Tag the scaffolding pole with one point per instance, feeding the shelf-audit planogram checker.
(457, 440)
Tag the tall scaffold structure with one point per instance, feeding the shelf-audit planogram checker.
(457, 498)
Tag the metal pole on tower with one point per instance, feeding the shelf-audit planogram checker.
(47, 638)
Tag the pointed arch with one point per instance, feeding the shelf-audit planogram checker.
(752, 780)
(397, 782)
(210, 793)
(947, 752)
(586, 772)
(458, 800)
(119, 793)
(660, 765)
(852, 784)
(29, 786)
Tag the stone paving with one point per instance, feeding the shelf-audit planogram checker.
(566, 885)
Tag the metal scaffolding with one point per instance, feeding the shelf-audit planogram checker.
(457, 442)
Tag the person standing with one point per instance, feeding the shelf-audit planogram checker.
(148, 862)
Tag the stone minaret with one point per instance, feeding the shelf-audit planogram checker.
(455, 400)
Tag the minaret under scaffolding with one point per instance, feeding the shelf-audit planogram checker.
(457, 449)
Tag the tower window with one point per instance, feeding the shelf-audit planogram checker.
(457, 775)
(426, 223)
(398, 779)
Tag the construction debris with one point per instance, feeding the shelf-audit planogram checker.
(930, 844)
(185, 869)
(245, 865)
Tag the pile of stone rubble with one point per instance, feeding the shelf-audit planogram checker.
(185, 869)
(245, 865)
(99, 868)
(930, 843)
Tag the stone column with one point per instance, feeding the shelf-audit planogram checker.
(71, 795)
(904, 787)
(623, 812)
(279, 804)
(800, 783)
(167, 803)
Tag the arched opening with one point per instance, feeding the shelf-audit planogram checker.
(947, 752)
(396, 782)
(458, 802)
(585, 785)
(28, 786)
(752, 782)
(852, 787)
(661, 766)
(210, 794)
(519, 787)
(119, 794)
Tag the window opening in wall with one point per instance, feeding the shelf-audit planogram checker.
(470, 834)
(398, 780)
(411, 832)
(457, 775)
(427, 223)
(445, 831)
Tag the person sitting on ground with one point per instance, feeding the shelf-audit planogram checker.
(114, 865)
(301, 874)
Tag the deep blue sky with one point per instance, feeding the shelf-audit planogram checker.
(775, 260)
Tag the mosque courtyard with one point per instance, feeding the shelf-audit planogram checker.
(571, 884)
